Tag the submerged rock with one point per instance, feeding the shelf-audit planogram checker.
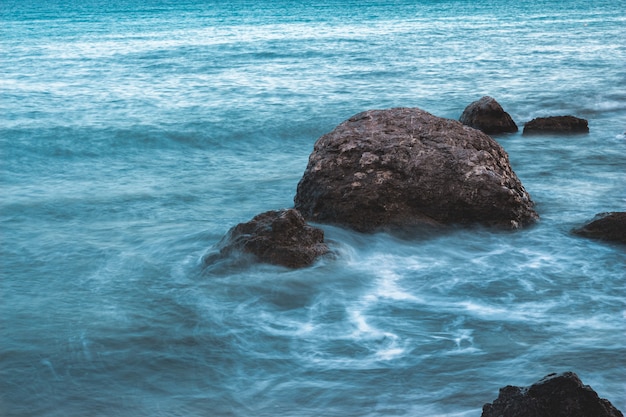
(556, 124)
(488, 115)
(556, 395)
(279, 237)
(605, 226)
(405, 167)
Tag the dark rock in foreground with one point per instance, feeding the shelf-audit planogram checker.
(606, 226)
(561, 395)
(556, 124)
(488, 115)
(279, 237)
(401, 167)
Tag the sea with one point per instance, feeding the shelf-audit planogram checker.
(135, 133)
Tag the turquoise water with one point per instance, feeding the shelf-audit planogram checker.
(134, 135)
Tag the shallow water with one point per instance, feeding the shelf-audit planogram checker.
(134, 135)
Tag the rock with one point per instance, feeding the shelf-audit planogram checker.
(605, 226)
(279, 237)
(488, 115)
(556, 124)
(401, 167)
(556, 395)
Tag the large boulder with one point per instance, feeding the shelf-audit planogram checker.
(389, 169)
(556, 124)
(488, 115)
(605, 226)
(556, 395)
(279, 237)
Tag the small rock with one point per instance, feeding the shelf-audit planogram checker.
(605, 226)
(279, 237)
(556, 395)
(488, 115)
(556, 124)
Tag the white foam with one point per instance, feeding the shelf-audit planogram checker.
(386, 284)
(386, 345)
(388, 287)
(522, 312)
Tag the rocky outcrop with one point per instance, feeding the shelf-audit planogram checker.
(395, 168)
(488, 115)
(556, 395)
(556, 124)
(279, 237)
(605, 226)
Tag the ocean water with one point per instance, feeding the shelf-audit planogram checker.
(134, 134)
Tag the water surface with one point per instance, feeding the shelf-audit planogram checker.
(134, 135)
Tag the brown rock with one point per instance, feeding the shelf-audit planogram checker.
(606, 226)
(556, 395)
(279, 237)
(403, 167)
(488, 115)
(556, 124)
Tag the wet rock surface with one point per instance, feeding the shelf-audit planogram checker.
(488, 116)
(401, 167)
(556, 124)
(279, 237)
(556, 395)
(605, 226)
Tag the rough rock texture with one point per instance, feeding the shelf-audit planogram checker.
(557, 395)
(556, 124)
(606, 226)
(488, 115)
(279, 237)
(389, 169)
